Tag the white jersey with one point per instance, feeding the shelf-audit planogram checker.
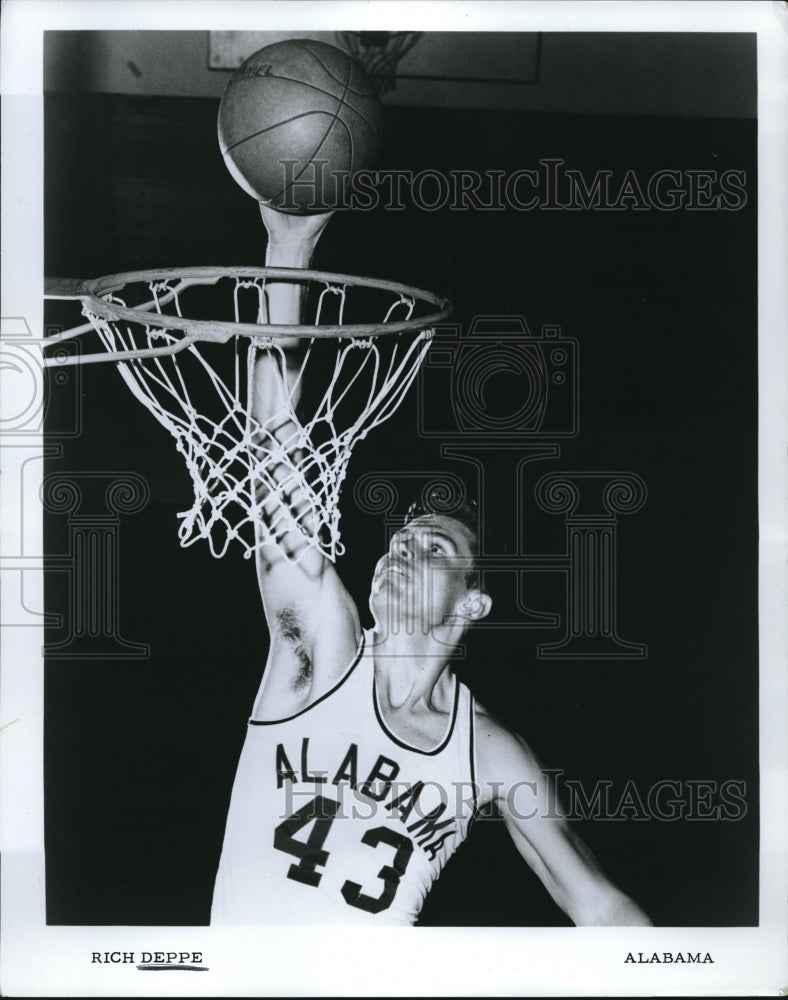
(334, 820)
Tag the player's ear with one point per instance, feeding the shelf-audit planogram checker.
(475, 605)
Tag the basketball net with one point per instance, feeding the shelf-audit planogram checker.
(246, 474)
(379, 53)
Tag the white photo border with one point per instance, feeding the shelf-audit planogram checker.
(38, 959)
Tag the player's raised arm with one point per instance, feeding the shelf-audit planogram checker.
(297, 120)
(512, 778)
(313, 622)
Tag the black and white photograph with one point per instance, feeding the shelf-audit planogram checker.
(394, 475)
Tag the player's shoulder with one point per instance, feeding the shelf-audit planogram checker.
(488, 726)
(500, 748)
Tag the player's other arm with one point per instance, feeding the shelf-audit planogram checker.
(512, 778)
(313, 623)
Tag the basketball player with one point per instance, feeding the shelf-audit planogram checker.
(365, 759)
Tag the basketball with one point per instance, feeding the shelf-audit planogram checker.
(296, 120)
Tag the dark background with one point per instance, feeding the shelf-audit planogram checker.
(140, 754)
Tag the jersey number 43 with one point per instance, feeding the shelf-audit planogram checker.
(320, 812)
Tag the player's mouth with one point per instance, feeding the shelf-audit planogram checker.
(389, 575)
(390, 566)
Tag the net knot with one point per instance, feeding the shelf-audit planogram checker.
(157, 333)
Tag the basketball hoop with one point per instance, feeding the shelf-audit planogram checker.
(194, 377)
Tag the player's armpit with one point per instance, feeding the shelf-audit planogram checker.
(286, 685)
(314, 631)
(512, 778)
(297, 675)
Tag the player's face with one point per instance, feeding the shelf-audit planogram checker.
(423, 576)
